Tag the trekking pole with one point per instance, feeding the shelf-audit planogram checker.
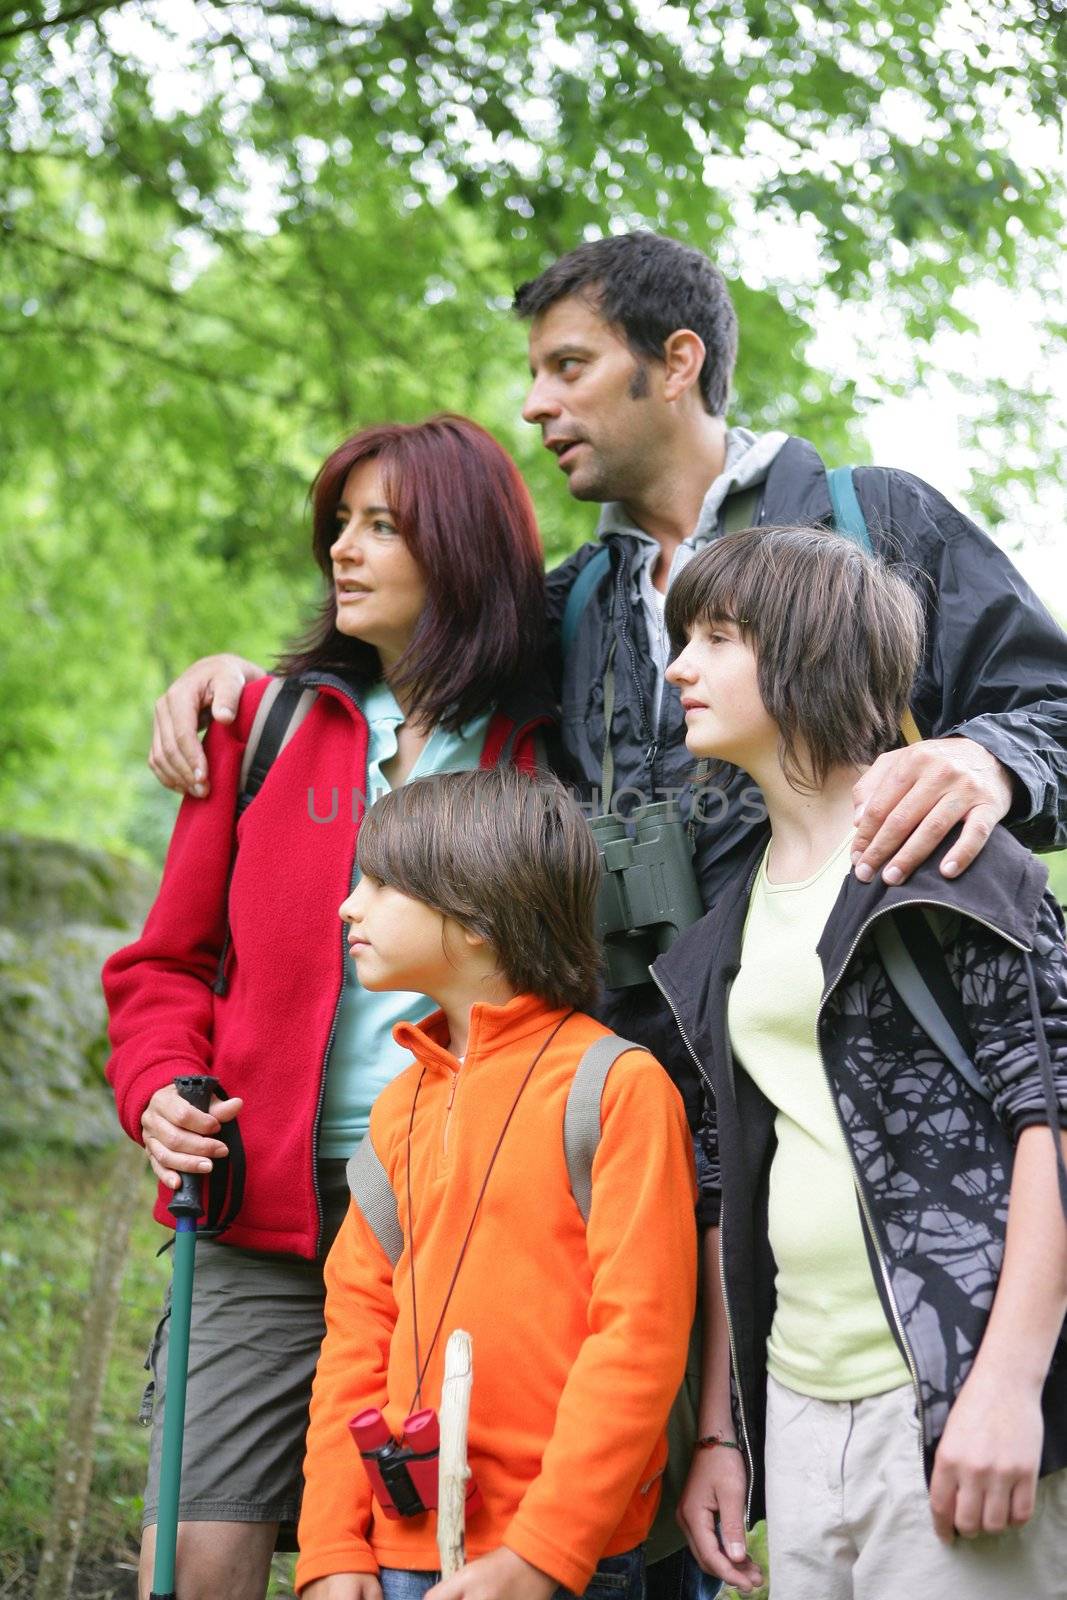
(185, 1208)
(453, 1472)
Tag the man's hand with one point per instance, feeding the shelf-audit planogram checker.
(985, 1470)
(343, 1586)
(178, 1137)
(911, 798)
(716, 1487)
(501, 1575)
(177, 757)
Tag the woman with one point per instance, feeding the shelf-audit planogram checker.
(427, 539)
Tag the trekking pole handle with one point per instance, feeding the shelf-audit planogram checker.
(188, 1196)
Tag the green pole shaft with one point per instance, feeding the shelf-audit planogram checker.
(170, 1469)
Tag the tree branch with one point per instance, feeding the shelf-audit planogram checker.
(91, 8)
(191, 369)
(162, 291)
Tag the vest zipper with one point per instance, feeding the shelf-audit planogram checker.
(651, 741)
(315, 1127)
(452, 1087)
(326, 681)
(722, 1273)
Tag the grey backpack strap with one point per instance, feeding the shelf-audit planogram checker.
(373, 1194)
(281, 726)
(581, 1119)
(255, 733)
(739, 509)
(911, 986)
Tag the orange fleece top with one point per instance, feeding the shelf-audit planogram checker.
(579, 1330)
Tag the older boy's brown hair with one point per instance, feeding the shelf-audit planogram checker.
(837, 636)
(509, 857)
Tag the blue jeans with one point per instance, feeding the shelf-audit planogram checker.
(616, 1578)
(678, 1577)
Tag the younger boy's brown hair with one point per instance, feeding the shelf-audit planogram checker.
(509, 857)
(837, 636)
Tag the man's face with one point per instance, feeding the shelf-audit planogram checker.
(599, 408)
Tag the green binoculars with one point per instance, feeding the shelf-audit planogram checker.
(648, 892)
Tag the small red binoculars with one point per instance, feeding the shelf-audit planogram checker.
(403, 1472)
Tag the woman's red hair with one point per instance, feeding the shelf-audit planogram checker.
(466, 516)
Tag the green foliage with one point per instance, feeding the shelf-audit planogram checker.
(233, 232)
(47, 1239)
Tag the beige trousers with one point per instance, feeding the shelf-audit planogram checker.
(848, 1512)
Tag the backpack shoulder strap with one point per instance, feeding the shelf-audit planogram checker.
(282, 709)
(279, 714)
(581, 1119)
(373, 1194)
(848, 513)
(739, 509)
(850, 521)
(581, 590)
(928, 991)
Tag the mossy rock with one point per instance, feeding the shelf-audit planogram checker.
(63, 911)
(50, 883)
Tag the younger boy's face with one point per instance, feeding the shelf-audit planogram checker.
(725, 717)
(396, 942)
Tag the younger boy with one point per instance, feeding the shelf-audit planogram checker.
(893, 1250)
(478, 889)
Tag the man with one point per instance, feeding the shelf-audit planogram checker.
(632, 346)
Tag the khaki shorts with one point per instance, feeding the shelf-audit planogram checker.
(257, 1324)
(848, 1512)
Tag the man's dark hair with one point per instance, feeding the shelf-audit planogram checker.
(649, 287)
(837, 636)
(510, 857)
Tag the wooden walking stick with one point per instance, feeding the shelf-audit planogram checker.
(452, 1469)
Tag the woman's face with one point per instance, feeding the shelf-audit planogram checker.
(378, 585)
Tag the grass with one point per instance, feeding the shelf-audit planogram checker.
(53, 1202)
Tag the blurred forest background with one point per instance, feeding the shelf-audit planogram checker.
(230, 233)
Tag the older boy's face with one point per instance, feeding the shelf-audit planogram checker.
(396, 942)
(717, 680)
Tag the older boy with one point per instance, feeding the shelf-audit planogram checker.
(478, 889)
(893, 1253)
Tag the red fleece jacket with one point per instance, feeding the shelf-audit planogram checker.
(268, 1038)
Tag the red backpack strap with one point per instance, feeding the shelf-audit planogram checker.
(506, 741)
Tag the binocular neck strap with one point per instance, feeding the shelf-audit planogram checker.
(421, 1366)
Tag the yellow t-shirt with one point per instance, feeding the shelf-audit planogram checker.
(830, 1338)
